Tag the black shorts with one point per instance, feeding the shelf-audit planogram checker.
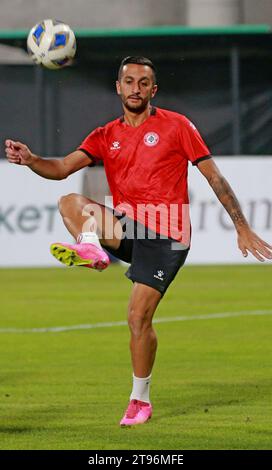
(154, 262)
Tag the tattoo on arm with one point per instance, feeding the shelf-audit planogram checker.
(228, 199)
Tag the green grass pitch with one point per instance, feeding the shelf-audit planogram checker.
(211, 386)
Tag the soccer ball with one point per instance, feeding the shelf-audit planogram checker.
(52, 44)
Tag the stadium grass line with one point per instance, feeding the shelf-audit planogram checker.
(209, 316)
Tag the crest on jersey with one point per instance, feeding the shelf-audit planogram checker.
(151, 139)
(115, 145)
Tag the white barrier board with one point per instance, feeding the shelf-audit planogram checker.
(29, 217)
(213, 236)
(30, 221)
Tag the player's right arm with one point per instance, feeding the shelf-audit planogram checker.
(55, 169)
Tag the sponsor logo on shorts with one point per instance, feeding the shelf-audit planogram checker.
(151, 139)
(159, 275)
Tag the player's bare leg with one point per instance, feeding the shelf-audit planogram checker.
(78, 212)
(143, 345)
(88, 222)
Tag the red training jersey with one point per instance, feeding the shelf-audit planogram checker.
(147, 168)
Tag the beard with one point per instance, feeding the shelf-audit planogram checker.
(138, 107)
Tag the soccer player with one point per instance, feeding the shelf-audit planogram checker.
(145, 154)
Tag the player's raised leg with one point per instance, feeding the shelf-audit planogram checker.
(90, 223)
(143, 346)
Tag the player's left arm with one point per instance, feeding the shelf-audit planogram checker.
(247, 239)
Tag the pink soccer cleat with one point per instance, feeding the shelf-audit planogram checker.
(138, 412)
(80, 254)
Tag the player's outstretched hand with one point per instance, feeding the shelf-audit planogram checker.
(249, 241)
(18, 153)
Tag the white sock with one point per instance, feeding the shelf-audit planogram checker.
(140, 390)
(89, 237)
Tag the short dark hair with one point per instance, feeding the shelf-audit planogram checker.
(137, 60)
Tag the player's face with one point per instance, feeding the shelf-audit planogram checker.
(136, 87)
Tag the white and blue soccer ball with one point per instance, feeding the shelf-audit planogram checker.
(52, 44)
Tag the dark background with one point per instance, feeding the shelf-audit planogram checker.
(52, 111)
